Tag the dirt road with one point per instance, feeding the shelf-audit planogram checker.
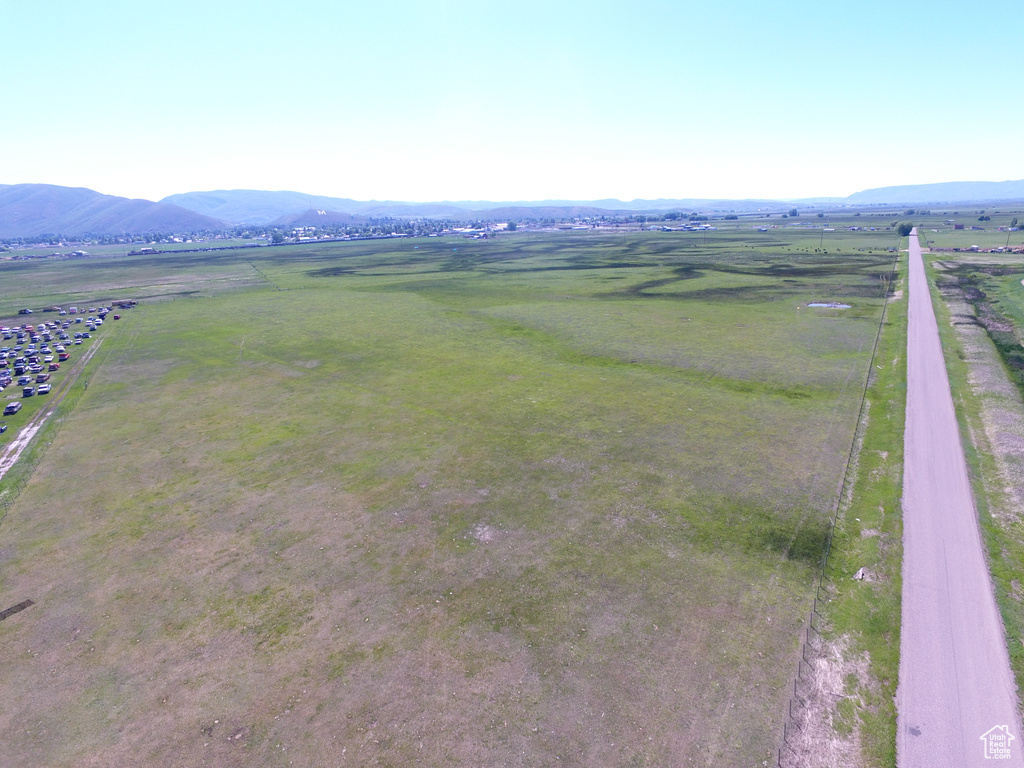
(957, 698)
(9, 455)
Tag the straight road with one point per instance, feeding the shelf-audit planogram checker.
(957, 701)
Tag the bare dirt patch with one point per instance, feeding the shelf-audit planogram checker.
(1002, 407)
(485, 534)
(824, 736)
(278, 368)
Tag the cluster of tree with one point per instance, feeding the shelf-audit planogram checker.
(370, 228)
(47, 239)
(59, 240)
(668, 216)
(374, 227)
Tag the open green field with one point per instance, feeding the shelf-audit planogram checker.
(936, 233)
(530, 501)
(95, 248)
(936, 226)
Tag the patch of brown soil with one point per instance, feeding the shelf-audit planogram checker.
(1002, 408)
(814, 739)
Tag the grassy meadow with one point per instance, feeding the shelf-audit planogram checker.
(538, 500)
(936, 233)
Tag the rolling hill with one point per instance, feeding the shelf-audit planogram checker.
(253, 206)
(318, 218)
(249, 206)
(260, 207)
(945, 192)
(31, 210)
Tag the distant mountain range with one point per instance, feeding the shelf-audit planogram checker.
(32, 210)
(247, 206)
(946, 192)
(257, 207)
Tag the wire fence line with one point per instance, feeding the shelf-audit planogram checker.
(810, 643)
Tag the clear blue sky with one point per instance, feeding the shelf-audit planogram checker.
(460, 100)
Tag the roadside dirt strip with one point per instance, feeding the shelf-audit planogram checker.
(9, 456)
(957, 701)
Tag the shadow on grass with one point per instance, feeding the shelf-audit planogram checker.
(794, 534)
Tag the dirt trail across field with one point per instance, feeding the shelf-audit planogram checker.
(957, 701)
(14, 449)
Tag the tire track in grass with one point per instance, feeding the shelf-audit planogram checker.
(14, 449)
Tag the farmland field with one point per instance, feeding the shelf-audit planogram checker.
(545, 499)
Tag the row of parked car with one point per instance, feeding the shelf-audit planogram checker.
(37, 352)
